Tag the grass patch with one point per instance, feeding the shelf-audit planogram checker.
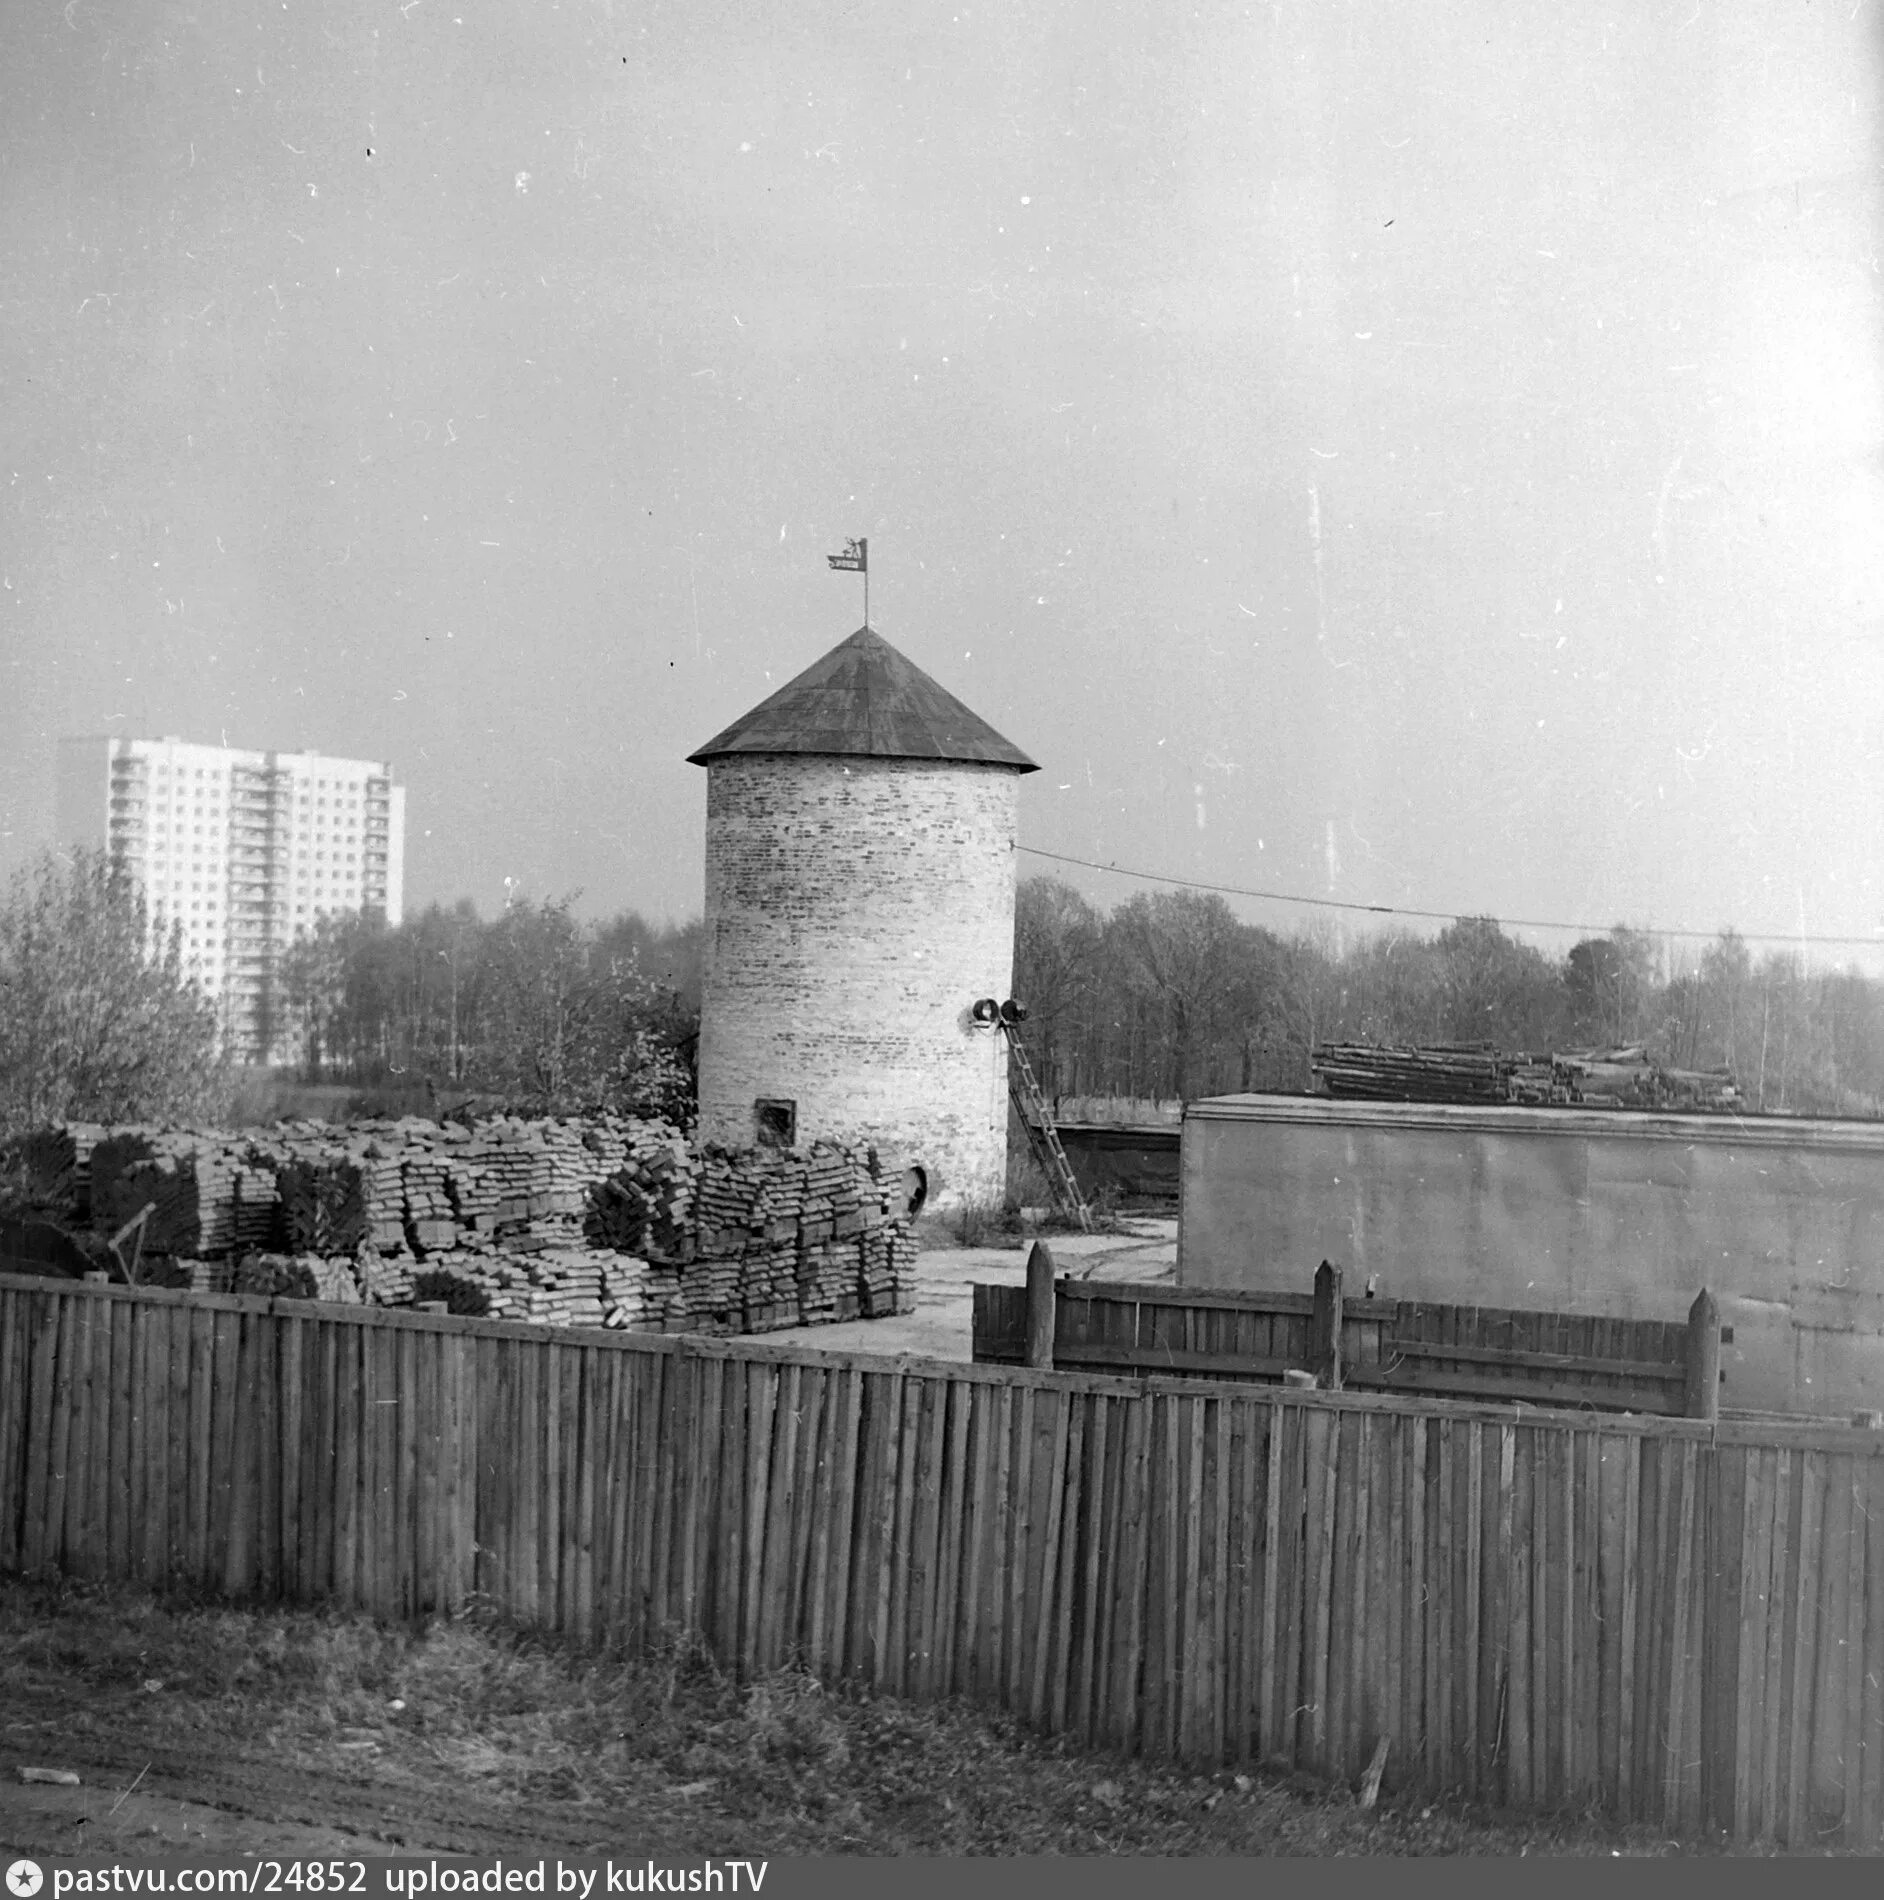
(515, 1720)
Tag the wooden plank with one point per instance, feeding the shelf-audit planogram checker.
(1269, 1684)
(1475, 1738)
(1651, 1371)
(1723, 1478)
(762, 1394)
(1189, 1583)
(1803, 1621)
(1246, 1458)
(1756, 1557)
(75, 1537)
(1131, 1583)
(769, 1582)
(1019, 1543)
(900, 1469)
(957, 1502)
(919, 1533)
(46, 1484)
(587, 1454)
(1071, 1356)
(1779, 1572)
(1218, 1423)
(529, 1425)
(875, 1523)
(1061, 1602)
(1442, 1657)
(1470, 1383)
(291, 1336)
(1589, 1624)
(1680, 1738)
(847, 1496)
(1871, 1665)
(1521, 1705)
(1164, 1645)
(1500, 1615)
(1323, 1445)
(1855, 1662)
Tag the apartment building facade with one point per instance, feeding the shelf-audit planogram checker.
(241, 852)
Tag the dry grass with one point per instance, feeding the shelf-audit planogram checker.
(517, 1718)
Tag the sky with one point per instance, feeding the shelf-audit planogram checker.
(1423, 457)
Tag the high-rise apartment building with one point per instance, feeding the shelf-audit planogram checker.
(243, 851)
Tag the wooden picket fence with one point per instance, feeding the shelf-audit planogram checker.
(1679, 1621)
(1407, 1346)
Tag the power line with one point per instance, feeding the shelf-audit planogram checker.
(1434, 916)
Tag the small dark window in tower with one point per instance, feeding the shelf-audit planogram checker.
(775, 1124)
(915, 1188)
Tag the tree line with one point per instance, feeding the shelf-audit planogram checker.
(1168, 995)
(535, 1007)
(1171, 996)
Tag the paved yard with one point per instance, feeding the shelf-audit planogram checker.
(940, 1327)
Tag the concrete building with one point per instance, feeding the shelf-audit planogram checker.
(859, 900)
(1589, 1211)
(242, 850)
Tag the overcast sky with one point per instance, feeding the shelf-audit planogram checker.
(1421, 456)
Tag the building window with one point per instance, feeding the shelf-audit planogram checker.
(775, 1124)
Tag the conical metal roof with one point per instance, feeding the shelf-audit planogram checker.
(864, 700)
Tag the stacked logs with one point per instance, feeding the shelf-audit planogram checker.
(1448, 1073)
(1478, 1073)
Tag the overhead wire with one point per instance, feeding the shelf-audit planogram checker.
(1437, 916)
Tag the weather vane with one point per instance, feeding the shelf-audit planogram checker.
(855, 560)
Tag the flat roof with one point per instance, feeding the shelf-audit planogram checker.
(1776, 1131)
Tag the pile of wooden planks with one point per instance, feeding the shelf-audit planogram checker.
(51, 1170)
(598, 1221)
(276, 1275)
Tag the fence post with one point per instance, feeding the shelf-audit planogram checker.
(1325, 1333)
(1040, 1297)
(1704, 1356)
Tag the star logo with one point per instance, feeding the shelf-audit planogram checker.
(24, 1879)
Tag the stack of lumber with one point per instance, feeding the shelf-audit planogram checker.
(384, 1280)
(1446, 1073)
(258, 1224)
(112, 1155)
(459, 1293)
(648, 1206)
(52, 1169)
(383, 1194)
(277, 1276)
(324, 1208)
(333, 1280)
(596, 1221)
(188, 1180)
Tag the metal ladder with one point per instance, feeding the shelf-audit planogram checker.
(1041, 1133)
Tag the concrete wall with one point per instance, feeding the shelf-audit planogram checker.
(1583, 1212)
(855, 909)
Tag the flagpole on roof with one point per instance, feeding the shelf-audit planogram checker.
(855, 560)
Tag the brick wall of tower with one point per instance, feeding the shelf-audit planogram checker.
(855, 909)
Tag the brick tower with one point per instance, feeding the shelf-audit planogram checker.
(859, 899)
